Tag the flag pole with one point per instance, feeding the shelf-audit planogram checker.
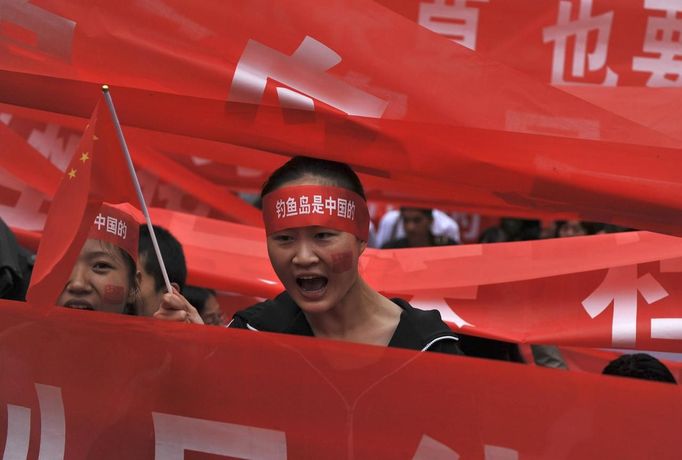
(136, 183)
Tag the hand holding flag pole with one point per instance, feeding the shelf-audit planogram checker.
(136, 183)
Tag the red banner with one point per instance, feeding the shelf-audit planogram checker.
(91, 385)
(608, 52)
(441, 128)
(625, 294)
(563, 42)
(172, 177)
(163, 179)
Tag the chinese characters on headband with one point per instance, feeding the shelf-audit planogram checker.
(340, 207)
(304, 205)
(112, 225)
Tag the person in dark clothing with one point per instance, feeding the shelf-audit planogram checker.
(15, 266)
(317, 225)
(511, 230)
(416, 330)
(639, 366)
(481, 347)
(417, 223)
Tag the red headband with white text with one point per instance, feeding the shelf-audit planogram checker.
(118, 225)
(321, 205)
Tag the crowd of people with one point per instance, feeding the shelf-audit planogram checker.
(314, 252)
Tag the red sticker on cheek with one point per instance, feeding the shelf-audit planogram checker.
(342, 262)
(113, 294)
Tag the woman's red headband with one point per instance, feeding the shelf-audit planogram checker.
(118, 225)
(321, 205)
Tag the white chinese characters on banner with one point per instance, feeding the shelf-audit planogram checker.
(175, 434)
(54, 143)
(455, 19)
(620, 287)
(663, 38)
(20, 205)
(340, 206)
(431, 449)
(52, 426)
(305, 72)
(584, 64)
(668, 328)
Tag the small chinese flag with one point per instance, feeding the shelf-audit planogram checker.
(97, 173)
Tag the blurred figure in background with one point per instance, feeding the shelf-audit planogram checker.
(567, 228)
(15, 266)
(417, 224)
(391, 227)
(206, 303)
(511, 230)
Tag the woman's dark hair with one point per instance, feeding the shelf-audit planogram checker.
(333, 172)
(639, 366)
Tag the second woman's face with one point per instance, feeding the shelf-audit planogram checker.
(99, 281)
(317, 265)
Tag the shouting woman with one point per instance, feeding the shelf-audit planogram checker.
(317, 225)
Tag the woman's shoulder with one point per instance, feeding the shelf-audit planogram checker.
(280, 314)
(423, 330)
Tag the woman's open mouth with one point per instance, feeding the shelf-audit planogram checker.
(312, 284)
(79, 305)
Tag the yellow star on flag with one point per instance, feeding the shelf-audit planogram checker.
(85, 157)
(94, 137)
(72, 174)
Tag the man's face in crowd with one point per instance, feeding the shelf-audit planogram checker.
(417, 226)
(572, 228)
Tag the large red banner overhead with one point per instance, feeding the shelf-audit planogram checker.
(90, 385)
(165, 180)
(622, 55)
(415, 125)
(563, 42)
(174, 179)
(602, 181)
